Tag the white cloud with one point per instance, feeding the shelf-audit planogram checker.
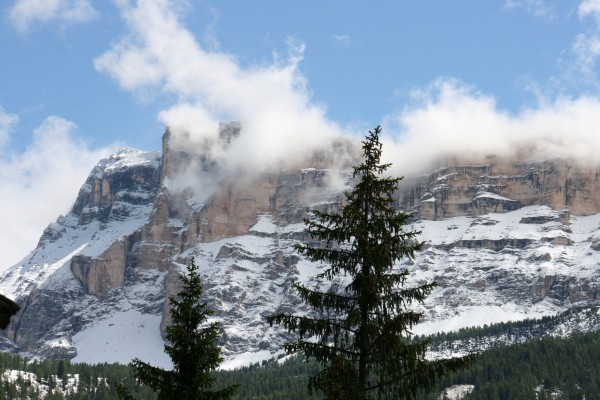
(7, 121)
(25, 13)
(452, 119)
(41, 183)
(589, 8)
(281, 123)
(538, 8)
(271, 101)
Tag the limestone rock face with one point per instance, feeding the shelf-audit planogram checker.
(127, 229)
(502, 234)
(113, 185)
(502, 186)
(99, 275)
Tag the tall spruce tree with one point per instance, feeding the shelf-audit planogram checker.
(362, 334)
(191, 346)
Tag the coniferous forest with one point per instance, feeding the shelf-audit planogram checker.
(548, 368)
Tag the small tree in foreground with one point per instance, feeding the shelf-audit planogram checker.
(191, 347)
(363, 333)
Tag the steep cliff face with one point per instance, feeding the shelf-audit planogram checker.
(502, 186)
(504, 240)
(121, 247)
(82, 256)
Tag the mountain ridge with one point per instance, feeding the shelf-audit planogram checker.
(503, 241)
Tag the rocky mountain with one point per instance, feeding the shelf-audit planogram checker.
(505, 240)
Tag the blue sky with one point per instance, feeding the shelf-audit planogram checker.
(79, 78)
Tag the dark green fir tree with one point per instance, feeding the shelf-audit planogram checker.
(362, 333)
(191, 346)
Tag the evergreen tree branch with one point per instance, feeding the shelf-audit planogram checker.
(367, 339)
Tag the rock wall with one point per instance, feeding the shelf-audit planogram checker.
(106, 191)
(501, 186)
(139, 269)
(99, 275)
(177, 225)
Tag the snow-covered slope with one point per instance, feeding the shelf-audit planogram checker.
(497, 267)
(94, 289)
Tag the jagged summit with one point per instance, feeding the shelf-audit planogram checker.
(504, 240)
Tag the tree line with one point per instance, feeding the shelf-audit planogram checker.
(547, 368)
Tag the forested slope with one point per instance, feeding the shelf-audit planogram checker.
(551, 367)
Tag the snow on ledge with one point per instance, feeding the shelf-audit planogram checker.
(264, 225)
(490, 195)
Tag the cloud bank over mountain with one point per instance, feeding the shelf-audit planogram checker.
(41, 182)
(201, 85)
(451, 118)
(272, 102)
(280, 120)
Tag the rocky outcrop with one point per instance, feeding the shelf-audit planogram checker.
(112, 185)
(107, 261)
(101, 274)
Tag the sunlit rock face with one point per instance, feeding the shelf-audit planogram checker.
(123, 245)
(502, 186)
(504, 240)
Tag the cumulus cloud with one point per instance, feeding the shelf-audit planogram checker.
(453, 119)
(271, 101)
(41, 183)
(25, 13)
(280, 122)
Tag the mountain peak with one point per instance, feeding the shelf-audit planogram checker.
(126, 157)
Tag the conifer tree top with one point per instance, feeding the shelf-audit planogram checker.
(191, 345)
(361, 332)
